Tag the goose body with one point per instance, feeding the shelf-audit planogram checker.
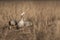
(27, 23)
(21, 23)
(24, 23)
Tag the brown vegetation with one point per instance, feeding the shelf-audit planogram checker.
(45, 16)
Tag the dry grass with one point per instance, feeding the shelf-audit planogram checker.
(45, 17)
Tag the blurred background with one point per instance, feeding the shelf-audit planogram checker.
(45, 16)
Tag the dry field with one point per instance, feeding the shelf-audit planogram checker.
(45, 16)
